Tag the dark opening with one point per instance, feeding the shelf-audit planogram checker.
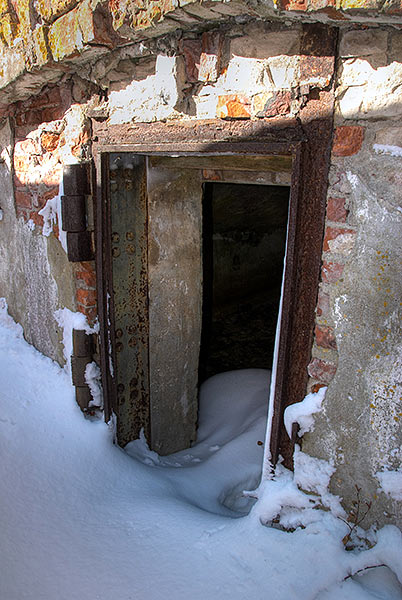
(244, 240)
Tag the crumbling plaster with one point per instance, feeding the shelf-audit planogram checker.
(35, 276)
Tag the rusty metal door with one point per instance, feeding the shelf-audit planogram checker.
(128, 296)
(154, 302)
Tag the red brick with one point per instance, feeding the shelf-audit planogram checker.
(234, 106)
(87, 277)
(324, 337)
(331, 233)
(54, 95)
(28, 117)
(348, 140)
(42, 197)
(36, 218)
(90, 313)
(331, 272)
(86, 297)
(323, 306)
(191, 50)
(54, 113)
(23, 199)
(278, 104)
(336, 210)
(321, 370)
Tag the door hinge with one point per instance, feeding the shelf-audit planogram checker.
(83, 350)
(76, 187)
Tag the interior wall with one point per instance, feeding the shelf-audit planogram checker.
(248, 236)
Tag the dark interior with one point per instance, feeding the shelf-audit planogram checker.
(244, 239)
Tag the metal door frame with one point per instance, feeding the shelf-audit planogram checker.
(309, 146)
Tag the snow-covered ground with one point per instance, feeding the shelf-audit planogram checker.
(81, 519)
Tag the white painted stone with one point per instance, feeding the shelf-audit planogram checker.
(258, 43)
(368, 93)
(151, 99)
(363, 43)
(246, 75)
(284, 72)
(206, 106)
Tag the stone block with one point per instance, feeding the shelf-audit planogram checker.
(233, 8)
(64, 37)
(348, 140)
(8, 29)
(246, 75)
(389, 136)
(369, 93)
(284, 71)
(262, 44)
(396, 46)
(234, 106)
(191, 51)
(363, 42)
(51, 9)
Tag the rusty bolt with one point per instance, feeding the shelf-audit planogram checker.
(115, 237)
(119, 333)
(129, 236)
(130, 249)
(120, 388)
(119, 347)
(116, 252)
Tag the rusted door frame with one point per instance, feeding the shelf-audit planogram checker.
(309, 146)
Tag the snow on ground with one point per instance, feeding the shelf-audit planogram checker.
(83, 520)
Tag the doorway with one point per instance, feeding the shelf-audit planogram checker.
(166, 180)
(244, 241)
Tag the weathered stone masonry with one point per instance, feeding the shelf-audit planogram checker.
(65, 65)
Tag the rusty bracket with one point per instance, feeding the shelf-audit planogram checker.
(74, 212)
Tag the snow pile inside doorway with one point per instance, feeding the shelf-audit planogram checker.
(82, 520)
(228, 444)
